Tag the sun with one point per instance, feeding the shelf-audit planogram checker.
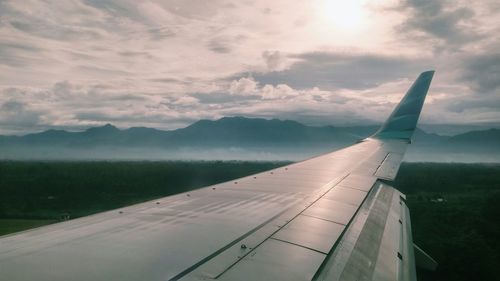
(342, 14)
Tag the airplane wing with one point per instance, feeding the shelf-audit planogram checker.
(332, 217)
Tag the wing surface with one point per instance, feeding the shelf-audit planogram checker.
(332, 217)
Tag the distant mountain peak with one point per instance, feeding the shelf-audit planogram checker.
(108, 128)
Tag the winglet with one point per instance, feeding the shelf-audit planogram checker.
(403, 120)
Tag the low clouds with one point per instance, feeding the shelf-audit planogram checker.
(66, 105)
(249, 87)
(248, 97)
(167, 63)
(281, 91)
(243, 86)
(16, 115)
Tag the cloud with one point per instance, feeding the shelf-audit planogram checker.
(186, 101)
(223, 43)
(483, 72)
(247, 97)
(222, 98)
(67, 104)
(333, 70)
(274, 60)
(444, 20)
(16, 115)
(243, 86)
(218, 46)
(281, 91)
(475, 103)
(16, 54)
(247, 86)
(42, 24)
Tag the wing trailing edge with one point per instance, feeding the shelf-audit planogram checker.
(403, 120)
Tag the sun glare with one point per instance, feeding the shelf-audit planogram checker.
(342, 14)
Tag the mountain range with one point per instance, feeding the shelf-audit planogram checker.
(235, 138)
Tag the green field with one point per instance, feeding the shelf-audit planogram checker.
(455, 208)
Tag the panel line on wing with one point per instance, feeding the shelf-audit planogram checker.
(312, 216)
(193, 267)
(299, 245)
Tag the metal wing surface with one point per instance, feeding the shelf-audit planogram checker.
(332, 217)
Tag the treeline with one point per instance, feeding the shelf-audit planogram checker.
(54, 190)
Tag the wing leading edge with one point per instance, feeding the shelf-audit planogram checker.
(327, 218)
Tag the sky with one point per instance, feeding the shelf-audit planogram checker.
(166, 64)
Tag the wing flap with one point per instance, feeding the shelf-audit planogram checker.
(390, 166)
(376, 245)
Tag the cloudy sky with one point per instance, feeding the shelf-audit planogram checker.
(164, 64)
